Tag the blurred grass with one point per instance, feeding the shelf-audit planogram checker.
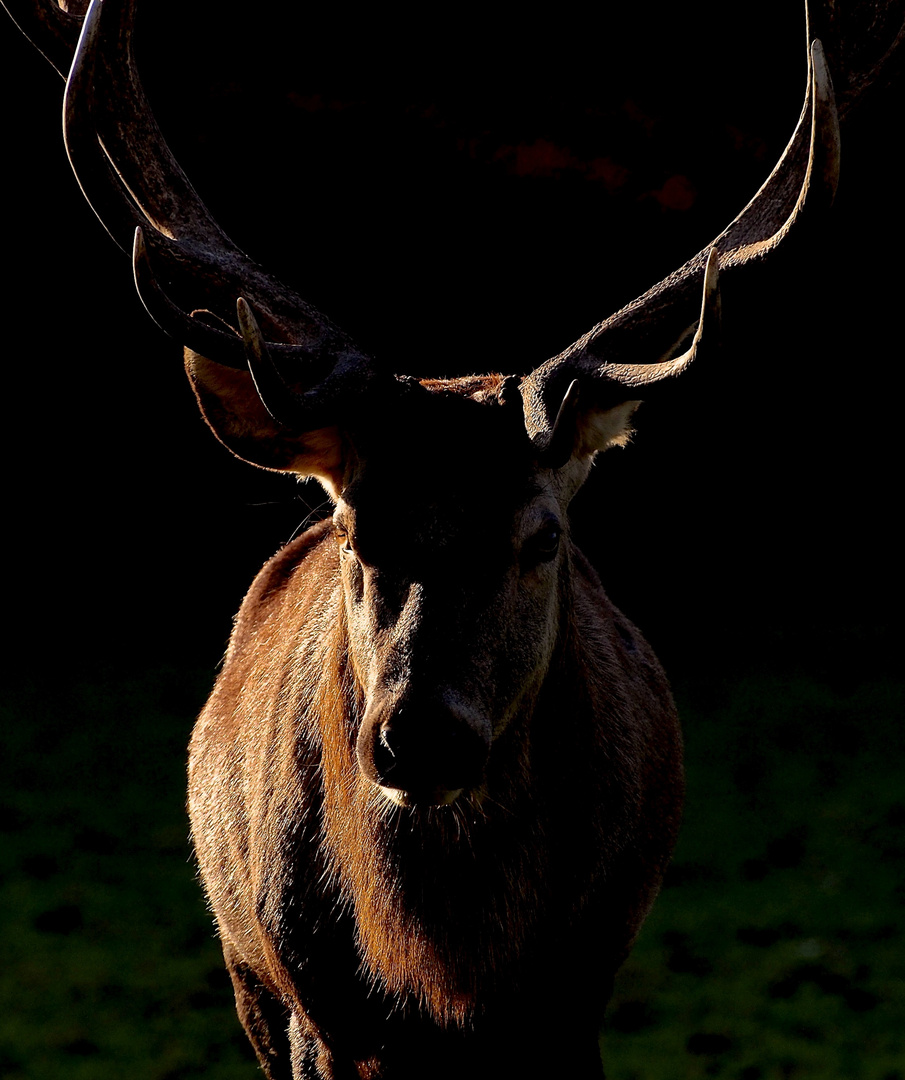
(112, 965)
(774, 951)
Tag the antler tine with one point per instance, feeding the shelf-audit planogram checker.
(53, 31)
(659, 322)
(202, 331)
(193, 331)
(277, 396)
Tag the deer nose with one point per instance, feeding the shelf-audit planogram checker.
(427, 753)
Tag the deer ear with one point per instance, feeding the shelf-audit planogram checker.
(233, 409)
(599, 429)
(582, 428)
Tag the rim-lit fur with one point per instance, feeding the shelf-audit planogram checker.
(390, 932)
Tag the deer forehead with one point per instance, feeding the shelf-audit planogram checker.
(455, 514)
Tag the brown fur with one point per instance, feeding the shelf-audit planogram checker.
(372, 939)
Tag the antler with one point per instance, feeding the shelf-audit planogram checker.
(136, 187)
(145, 201)
(671, 315)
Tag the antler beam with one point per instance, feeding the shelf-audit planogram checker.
(660, 323)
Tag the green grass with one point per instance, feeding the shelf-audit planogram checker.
(112, 966)
(775, 950)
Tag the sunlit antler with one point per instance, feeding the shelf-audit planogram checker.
(133, 181)
(145, 201)
(641, 345)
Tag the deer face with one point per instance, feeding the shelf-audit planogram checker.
(452, 534)
(454, 563)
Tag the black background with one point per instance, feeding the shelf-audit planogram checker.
(466, 191)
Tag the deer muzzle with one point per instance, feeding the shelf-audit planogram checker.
(423, 752)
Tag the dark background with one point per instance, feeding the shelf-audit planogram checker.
(467, 191)
(463, 195)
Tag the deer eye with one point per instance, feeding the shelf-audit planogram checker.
(342, 538)
(544, 544)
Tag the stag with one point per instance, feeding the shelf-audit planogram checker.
(439, 778)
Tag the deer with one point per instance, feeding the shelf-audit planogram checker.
(439, 779)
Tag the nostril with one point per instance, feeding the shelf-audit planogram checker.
(432, 752)
(385, 752)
